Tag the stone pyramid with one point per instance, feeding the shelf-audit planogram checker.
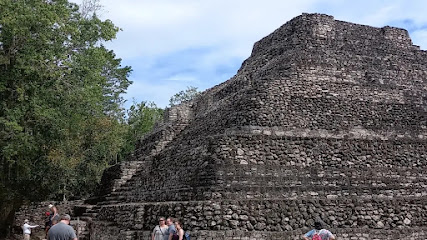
(326, 119)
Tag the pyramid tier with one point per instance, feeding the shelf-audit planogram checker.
(273, 218)
(270, 166)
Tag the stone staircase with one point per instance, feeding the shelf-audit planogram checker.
(176, 119)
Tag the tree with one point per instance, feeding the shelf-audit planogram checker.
(90, 7)
(141, 119)
(184, 95)
(61, 116)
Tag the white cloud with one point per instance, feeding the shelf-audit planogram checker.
(420, 38)
(152, 92)
(154, 30)
(182, 78)
(157, 27)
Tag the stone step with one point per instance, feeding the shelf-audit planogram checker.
(343, 199)
(81, 209)
(86, 218)
(91, 215)
(279, 191)
(131, 168)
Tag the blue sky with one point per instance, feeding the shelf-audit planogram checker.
(172, 44)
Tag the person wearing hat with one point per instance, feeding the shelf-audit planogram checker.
(318, 233)
(62, 230)
(52, 218)
(26, 228)
(54, 215)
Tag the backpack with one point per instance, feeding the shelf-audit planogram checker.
(316, 236)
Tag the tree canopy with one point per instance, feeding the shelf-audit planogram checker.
(184, 95)
(141, 118)
(61, 115)
(62, 120)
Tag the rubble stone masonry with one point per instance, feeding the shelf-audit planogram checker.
(324, 119)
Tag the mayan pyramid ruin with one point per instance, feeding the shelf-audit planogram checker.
(326, 119)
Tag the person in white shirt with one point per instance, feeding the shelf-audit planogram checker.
(26, 228)
(160, 232)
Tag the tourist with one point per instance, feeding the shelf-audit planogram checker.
(47, 221)
(26, 228)
(62, 230)
(160, 232)
(171, 228)
(179, 231)
(52, 218)
(318, 233)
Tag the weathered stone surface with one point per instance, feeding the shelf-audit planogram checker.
(325, 119)
(35, 213)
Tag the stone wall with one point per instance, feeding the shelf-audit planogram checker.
(344, 216)
(35, 212)
(272, 214)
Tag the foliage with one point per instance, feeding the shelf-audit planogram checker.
(141, 119)
(184, 95)
(61, 115)
(62, 120)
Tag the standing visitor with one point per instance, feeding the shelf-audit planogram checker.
(62, 230)
(318, 233)
(171, 228)
(47, 221)
(52, 217)
(179, 231)
(26, 228)
(160, 232)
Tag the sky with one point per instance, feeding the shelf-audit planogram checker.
(174, 44)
